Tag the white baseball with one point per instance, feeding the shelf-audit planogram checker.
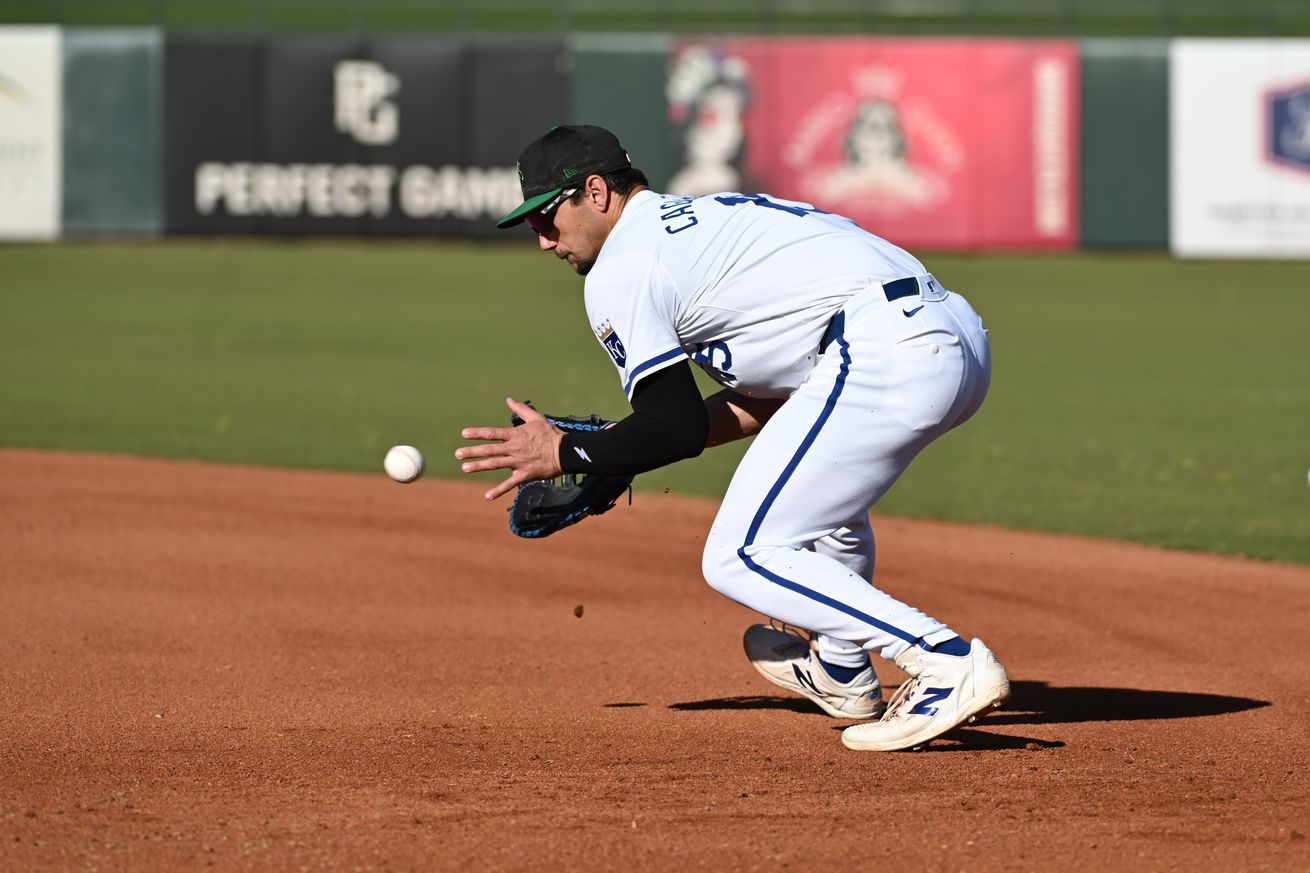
(403, 463)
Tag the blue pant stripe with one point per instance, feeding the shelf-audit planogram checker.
(823, 598)
(772, 496)
(810, 437)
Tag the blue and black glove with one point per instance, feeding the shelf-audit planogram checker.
(544, 506)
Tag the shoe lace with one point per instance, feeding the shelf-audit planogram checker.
(791, 629)
(900, 698)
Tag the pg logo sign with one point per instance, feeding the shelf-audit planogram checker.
(363, 105)
(1288, 127)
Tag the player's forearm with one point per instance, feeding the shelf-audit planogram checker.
(634, 445)
(735, 416)
(667, 425)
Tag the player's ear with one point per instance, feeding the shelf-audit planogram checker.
(597, 192)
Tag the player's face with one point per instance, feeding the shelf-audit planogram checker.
(573, 231)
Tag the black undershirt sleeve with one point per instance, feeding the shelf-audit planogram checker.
(668, 423)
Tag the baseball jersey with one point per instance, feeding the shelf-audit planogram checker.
(743, 284)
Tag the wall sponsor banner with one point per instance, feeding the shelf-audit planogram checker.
(338, 135)
(31, 86)
(951, 143)
(1240, 147)
(212, 144)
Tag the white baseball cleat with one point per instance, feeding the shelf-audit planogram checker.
(789, 660)
(943, 692)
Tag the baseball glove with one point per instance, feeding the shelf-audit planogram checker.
(544, 506)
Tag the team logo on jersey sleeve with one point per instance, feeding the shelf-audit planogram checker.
(609, 338)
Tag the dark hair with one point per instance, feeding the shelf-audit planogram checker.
(618, 181)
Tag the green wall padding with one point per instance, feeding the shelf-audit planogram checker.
(112, 122)
(617, 81)
(1125, 142)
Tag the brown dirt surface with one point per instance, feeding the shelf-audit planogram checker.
(270, 670)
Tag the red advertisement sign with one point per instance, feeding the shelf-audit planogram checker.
(943, 143)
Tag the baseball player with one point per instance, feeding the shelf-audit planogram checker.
(839, 352)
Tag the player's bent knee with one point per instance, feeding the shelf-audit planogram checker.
(719, 565)
(733, 570)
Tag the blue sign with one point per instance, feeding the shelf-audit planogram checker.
(1289, 127)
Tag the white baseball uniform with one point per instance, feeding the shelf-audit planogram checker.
(750, 287)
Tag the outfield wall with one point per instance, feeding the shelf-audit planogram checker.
(112, 124)
(1125, 142)
(1243, 106)
(31, 95)
(338, 135)
(947, 143)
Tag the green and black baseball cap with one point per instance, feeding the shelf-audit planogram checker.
(561, 159)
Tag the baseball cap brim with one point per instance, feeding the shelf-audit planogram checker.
(520, 212)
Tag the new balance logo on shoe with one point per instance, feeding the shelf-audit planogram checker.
(943, 692)
(791, 661)
(931, 696)
(804, 679)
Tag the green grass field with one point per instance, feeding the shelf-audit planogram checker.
(1041, 17)
(1134, 396)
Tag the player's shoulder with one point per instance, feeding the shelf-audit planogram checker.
(619, 271)
(652, 218)
(633, 248)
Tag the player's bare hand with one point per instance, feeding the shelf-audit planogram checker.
(529, 451)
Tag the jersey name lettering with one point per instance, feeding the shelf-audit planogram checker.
(677, 210)
(801, 209)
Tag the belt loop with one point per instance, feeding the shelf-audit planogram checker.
(900, 288)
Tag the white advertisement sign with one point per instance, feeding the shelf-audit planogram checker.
(30, 132)
(1240, 147)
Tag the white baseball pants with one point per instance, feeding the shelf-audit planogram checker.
(792, 539)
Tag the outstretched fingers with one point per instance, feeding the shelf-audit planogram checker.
(494, 456)
(487, 433)
(514, 481)
(529, 452)
(490, 464)
(487, 450)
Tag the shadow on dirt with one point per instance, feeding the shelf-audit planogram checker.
(1040, 703)
(971, 739)
(752, 701)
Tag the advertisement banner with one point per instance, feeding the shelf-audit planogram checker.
(1240, 148)
(346, 135)
(948, 143)
(440, 188)
(212, 94)
(31, 114)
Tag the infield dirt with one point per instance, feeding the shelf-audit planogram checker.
(269, 670)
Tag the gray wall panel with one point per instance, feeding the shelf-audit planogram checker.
(618, 82)
(1125, 142)
(112, 131)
